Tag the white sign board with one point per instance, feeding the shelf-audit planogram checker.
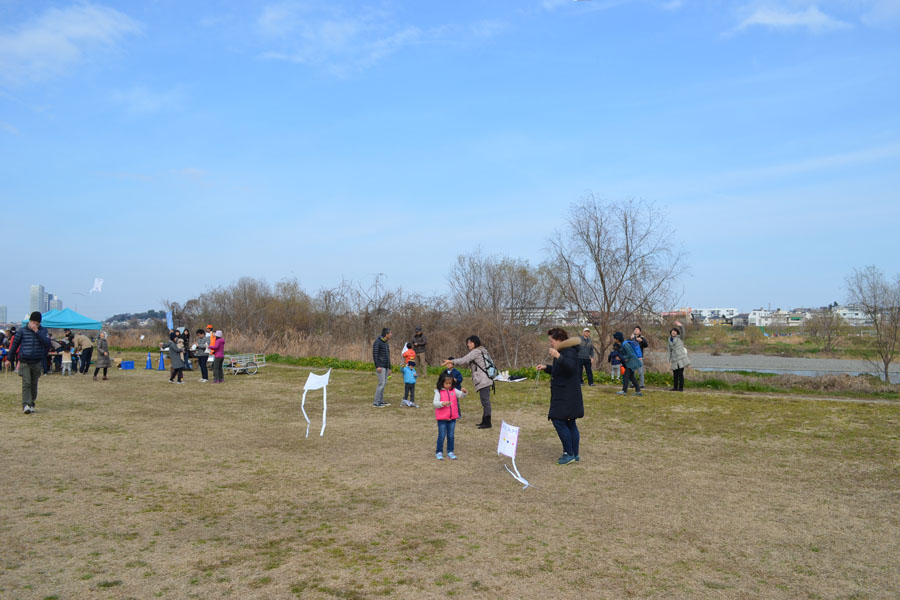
(509, 439)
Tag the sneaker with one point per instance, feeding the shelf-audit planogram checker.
(411, 405)
(577, 458)
(381, 404)
(439, 456)
(171, 381)
(565, 459)
(204, 380)
(179, 382)
(451, 456)
(406, 403)
(621, 393)
(638, 394)
(26, 409)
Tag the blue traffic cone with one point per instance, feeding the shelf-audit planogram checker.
(149, 362)
(162, 362)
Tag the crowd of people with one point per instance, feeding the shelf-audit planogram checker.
(33, 352)
(208, 347)
(570, 370)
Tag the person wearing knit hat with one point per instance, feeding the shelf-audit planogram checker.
(31, 345)
(217, 348)
(630, 360)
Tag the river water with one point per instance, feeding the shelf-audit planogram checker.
(809, 367)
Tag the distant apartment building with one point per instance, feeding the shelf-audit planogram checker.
(853, 314)
(713, 316)
(2, 314)
(55, 303)
(36, 299)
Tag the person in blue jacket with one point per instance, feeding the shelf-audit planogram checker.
(632, 363)
(31, 346)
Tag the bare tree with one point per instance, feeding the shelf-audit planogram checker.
(825, 328)
(880, 301)
(505, 298)
(617, 263)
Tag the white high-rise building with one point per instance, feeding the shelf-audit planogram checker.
(54, 303)
(36, 299)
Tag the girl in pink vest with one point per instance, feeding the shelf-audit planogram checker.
(446, 411)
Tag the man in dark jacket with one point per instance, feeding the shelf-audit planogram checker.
(381, 356)
(31, 344)
(420, 345)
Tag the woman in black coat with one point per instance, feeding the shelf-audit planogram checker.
(566, 404)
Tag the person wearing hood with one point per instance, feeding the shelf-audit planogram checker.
(218, 351)
(31, 345)
(632, 364)
(566, 403)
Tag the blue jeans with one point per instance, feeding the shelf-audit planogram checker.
(568, 434)
(446, 429)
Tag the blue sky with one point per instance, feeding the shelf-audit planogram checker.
(169, 147)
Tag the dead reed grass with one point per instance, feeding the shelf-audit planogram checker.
(136, 488)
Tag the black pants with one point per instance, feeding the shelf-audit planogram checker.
(97, 370)
(586, 366)
(86, 359)
(177, 372)
(678, 379)
(629, 376)
(204, 371)
(409, 390)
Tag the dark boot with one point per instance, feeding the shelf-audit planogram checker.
(485, 422)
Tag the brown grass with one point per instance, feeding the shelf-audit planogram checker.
(138, 488)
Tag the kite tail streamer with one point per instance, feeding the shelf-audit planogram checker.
(516, 475)
(302, 405)
(324, 410)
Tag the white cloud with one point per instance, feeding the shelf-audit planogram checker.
(325, 35)
(190, 172)
(9, 127)
(139, 100)
(776, 17)
(882, 13)
(58, 39)
(489, 28)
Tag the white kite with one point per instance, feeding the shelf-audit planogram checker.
(98, 283)
(316, 382)
(506, 445)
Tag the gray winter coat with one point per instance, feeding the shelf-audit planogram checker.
(103, 359)
(175, 360)
(475, 362)
(202, 344)
(678, 354)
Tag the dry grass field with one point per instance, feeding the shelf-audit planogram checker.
(136, 488)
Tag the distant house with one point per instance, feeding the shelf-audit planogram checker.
(853, 314)
(741, 320)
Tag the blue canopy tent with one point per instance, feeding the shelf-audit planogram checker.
(66, 319)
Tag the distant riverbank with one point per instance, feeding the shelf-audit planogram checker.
(779, 364)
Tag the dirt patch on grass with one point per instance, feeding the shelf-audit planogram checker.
(139, 488)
